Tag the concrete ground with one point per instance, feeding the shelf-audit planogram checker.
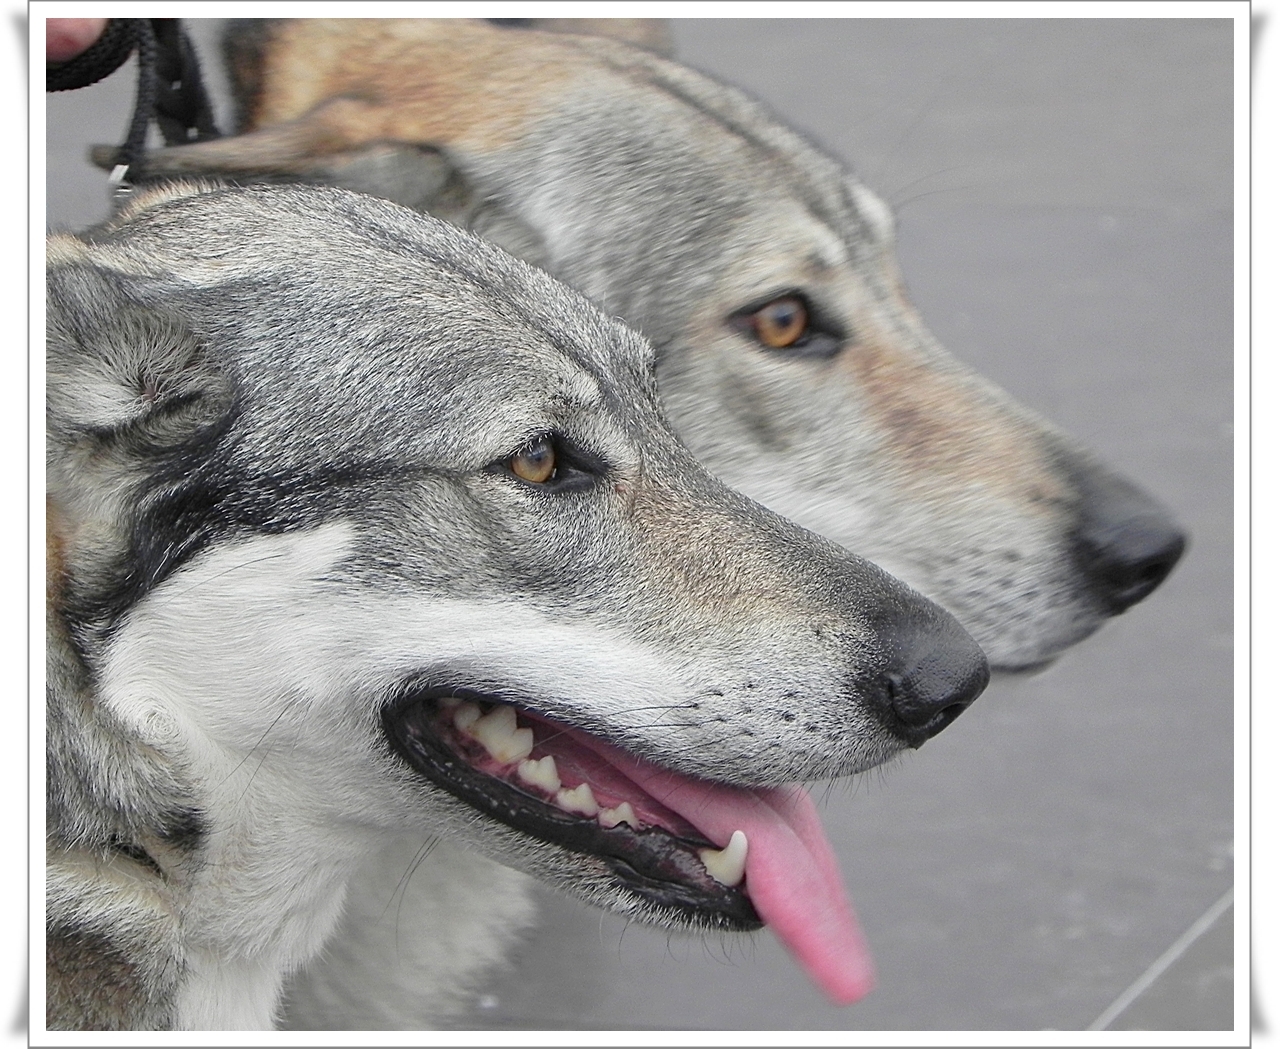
(1061, 857)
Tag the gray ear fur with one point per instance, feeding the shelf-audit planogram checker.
(425, 178)
(429, 180)
(125, 383)
(117, 366)
(119, 377)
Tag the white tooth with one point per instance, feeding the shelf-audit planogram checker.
(448, 702)
(580, 799)
(541, 773)
(728, 865)
(624, 813)
(465, 716)
(498, 733)
(515, 747)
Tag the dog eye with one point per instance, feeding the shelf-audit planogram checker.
(788, 322)
(536, 462)
(781, 323)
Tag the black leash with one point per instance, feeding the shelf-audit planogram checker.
(102, 59)
(170, 88)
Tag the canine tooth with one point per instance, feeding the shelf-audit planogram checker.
(448, 702)
(541, 773)
(465, 716)
(580, 799)
(624, 813)
(498, 733)
(728, 865)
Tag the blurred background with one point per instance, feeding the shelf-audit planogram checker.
(1064, 192)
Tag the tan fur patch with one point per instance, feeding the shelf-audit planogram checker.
(942, 424)
(653, 34)
(415, 80)
(151, 196)
(55, 554)
(711, 558)
(99, 980)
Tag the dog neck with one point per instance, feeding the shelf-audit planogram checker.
(192, 939)
(249, 931)
(259, 875)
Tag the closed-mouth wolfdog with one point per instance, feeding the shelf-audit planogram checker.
(790, 360)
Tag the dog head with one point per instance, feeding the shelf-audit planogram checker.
(790, 359)
(367, 525)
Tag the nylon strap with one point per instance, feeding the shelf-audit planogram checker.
(170, 88)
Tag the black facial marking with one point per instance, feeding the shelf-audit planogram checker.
(136, 853)
(185, 830)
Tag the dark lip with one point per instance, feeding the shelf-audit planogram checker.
(659, 866)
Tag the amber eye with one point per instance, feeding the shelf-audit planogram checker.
(781, 323)
(535, 463)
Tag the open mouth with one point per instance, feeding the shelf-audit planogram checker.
(721, 856)
(549, 782)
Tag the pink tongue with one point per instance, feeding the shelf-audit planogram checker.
(792, 875)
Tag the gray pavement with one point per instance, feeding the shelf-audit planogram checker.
(1064, 195)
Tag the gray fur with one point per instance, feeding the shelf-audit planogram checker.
(675, 202)
(277, 418)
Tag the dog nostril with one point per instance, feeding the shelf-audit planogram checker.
(932, 697)
(1126, 544)
(931, 685)
(1126, 559)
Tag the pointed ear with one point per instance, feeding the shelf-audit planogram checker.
(328, 147)
(296, 147)
(431, 180)
(415, 176)
(124, 379)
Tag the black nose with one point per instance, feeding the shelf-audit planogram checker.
(935, 672)
(1126, 543)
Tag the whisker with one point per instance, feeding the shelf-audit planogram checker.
(225, 572)
(283, 710)
(257, 768)
(911, 126)
(932, 174)
(402, 886)
(626, 924)
(898, 207)
(673, 724)
(826, 791)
